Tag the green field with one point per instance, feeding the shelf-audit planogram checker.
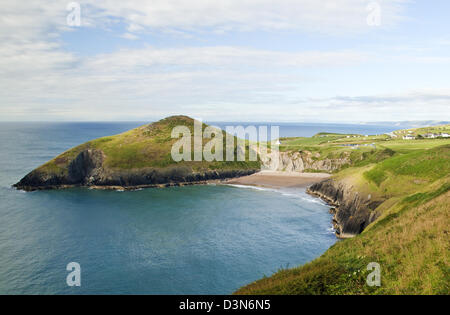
(361, 149)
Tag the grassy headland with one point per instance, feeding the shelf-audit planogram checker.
(146, 146)
(140, 157)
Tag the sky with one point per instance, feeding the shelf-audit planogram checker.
(225, 60)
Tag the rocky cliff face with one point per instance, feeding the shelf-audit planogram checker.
(86, 166)
(305, 160)
(353, 212)
(87, 169)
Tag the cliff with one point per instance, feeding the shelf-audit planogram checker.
(88, 170)
(353, 211)
(304, 160)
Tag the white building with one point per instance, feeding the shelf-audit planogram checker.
(409, 137)
(431, 135)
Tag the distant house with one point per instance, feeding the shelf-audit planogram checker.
(409, 137)
(431, 135)
(445, 135)
(391, 134)
(278, 142)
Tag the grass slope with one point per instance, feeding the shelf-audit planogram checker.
(410, 240)
(146, 146)
(361, 149)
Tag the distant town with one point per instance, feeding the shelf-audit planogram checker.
(411, 136)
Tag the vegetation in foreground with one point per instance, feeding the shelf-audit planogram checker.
(411, 245)
(410, 240)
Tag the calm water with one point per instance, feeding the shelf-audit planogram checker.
(191, 240)
(310, 129)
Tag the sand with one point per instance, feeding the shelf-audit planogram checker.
(271, 179)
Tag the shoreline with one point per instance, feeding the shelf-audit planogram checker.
(292, 180)
(340, 206)
(267, 179)
(118, 187)
(278, 180)
(334, 207)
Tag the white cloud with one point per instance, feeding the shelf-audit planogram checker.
(40, 80)
(34, 18)
(219, 56)
(129, 36)
(417, 104)
(150, 79)
(247, 15)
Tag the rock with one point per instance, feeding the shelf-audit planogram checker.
(305, 160)
(353, 213)
(87, 169)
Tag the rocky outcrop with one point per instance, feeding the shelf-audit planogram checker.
(353, 211)
(87, 165)
(87, 169)
(305, 160)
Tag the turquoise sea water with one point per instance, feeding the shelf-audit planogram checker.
(182, 240)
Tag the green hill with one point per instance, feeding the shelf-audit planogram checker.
(137, 158)
(145, 146)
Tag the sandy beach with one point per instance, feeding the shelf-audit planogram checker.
(273, 179)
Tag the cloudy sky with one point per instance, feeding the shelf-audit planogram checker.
(229, 60)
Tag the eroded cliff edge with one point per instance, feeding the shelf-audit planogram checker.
(87, 169)
(353, 211)
(304, 161)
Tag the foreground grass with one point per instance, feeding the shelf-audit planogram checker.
(412, 248)
(410, 239)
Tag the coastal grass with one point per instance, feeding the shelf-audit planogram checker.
(405, 146)
(424, 130)
(424, 166)
(411, 247)
(149, 146)
(410, 239)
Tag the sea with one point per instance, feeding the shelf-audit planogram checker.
(210, 239)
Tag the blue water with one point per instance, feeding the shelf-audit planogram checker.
(310, 129)
(190, 240)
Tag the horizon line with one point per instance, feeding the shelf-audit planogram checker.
(235, 121)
